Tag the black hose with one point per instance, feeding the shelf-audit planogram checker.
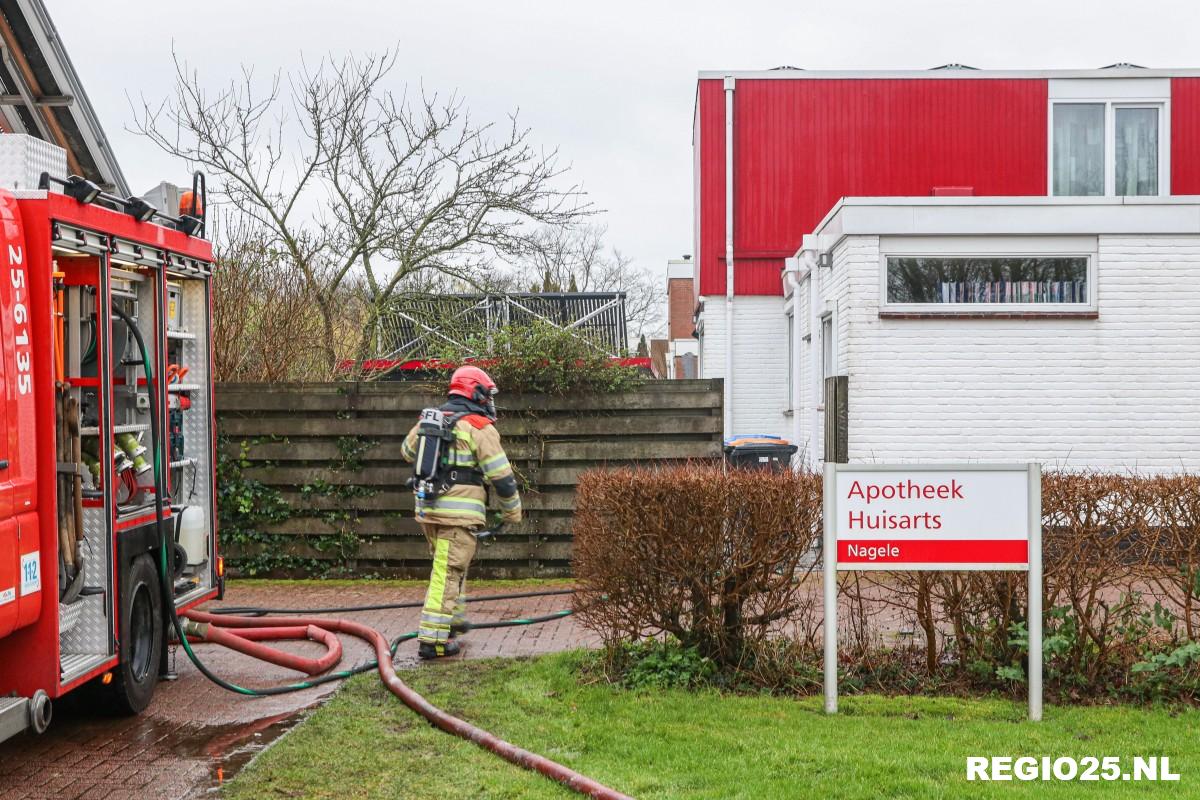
(255, 611)
(509, 623)
(165, 541)
(167, 585)
(89, 355)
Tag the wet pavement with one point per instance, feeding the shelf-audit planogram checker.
(196, 735)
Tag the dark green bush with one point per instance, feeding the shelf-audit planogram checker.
(539, 358)
(666, 664)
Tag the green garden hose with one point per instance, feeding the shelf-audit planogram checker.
(167, 583)
(384, 651)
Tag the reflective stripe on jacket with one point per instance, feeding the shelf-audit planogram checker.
(464, 504)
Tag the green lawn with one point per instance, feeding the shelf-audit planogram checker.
(676, 744)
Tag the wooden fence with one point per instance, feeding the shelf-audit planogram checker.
(331, 452)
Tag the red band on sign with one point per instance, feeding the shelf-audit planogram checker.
(933, 551)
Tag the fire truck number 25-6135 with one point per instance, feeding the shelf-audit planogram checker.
(16, 265)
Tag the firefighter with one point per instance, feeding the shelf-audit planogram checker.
(474, 460)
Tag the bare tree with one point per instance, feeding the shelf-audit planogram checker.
(360, 188)
(576, 258)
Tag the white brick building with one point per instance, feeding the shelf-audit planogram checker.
(1061, 330)
(1024, 287)
(760, 402)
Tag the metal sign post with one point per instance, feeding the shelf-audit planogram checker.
(933, 517)
(1035, 593)
(829, 571)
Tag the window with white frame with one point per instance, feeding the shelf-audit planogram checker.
(987, 282)
(1107, 148)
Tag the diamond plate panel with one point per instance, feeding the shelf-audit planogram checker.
(24, 158)
(68, 616)
(90, 634)
(196, 430)
(75, 666)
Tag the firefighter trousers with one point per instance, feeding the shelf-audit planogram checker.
(452, 548)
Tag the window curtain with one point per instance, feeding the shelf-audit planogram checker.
(1079, 149)
(1137, 151)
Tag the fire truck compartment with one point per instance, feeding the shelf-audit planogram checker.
(106, 410)
(118, 504)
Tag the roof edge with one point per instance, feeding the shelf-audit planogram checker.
(37, 17)
(1000, 216)
(945, 74)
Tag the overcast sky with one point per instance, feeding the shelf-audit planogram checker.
(610, 83)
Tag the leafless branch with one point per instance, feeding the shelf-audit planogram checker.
(361, 189)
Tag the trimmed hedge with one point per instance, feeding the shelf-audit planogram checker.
(694, 551)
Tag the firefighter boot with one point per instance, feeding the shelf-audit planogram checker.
(428, 650)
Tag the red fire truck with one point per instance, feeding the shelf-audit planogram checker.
(107, 508)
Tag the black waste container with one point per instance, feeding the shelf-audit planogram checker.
(759, 452)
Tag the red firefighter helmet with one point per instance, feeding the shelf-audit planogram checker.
(475, 385)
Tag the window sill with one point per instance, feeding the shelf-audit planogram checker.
(1081, 314)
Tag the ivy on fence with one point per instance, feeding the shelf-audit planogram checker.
(314, 472)
(248, 508)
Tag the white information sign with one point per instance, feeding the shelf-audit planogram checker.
(933, 517)
(939, 519)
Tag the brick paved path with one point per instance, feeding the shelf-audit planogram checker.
(194, 734)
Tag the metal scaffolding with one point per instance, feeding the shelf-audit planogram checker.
(414, 326)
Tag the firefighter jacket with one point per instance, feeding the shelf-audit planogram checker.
(476, 446)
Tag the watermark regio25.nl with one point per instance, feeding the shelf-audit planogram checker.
(1067, 768)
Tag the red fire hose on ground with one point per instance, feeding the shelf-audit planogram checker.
(249, 630)
(246, 641)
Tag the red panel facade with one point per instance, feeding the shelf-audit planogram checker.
(801, 145)
(1185, 136)
(710, 142)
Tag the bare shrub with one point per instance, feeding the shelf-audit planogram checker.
(1173, 556)
(265, 326)
(708, 555)
(1096, 529)
(1119, 557)
(712, 557)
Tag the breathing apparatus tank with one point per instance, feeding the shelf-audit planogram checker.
(432, 444)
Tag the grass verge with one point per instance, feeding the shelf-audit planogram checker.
(677, 744)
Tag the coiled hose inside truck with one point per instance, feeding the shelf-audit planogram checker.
(384, 650)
